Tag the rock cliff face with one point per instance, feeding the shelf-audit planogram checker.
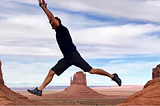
(8, 97)
(78, 88)
(156, 72)
(1, 75)
(79, 78)
(150, 95)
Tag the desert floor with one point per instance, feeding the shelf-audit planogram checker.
(114, 96)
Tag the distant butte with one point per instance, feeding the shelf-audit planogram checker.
(78, 89)
(156, 72)
(79, 78)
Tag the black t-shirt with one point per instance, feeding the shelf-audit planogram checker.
(64, 40)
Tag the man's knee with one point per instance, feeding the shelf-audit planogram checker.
(51, 72)
(92, 71)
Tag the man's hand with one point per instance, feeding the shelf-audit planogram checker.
(42, 3)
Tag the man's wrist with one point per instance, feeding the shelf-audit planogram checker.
(40, 4)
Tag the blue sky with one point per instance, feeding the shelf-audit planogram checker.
(117, 36)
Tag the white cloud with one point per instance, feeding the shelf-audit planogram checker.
(139, 10)
(146, 10)
(26, 35)
(125, 39)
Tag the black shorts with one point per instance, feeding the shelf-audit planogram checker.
(73, 59)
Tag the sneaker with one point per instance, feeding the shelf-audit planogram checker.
(117, 79)
(35, 91)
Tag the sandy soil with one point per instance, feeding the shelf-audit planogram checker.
(121, 91)
(114, 95)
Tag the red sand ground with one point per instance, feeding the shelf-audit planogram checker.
(112, 91)
(114, 95)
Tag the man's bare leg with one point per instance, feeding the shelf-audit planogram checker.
(100, 72)
(38, 90)
(47, 80)
(114, 76)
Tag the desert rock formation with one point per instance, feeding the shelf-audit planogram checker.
(150, 95)
(79, 78)
(9, 97)
(156, 72)
(1, 75)
(78, 87)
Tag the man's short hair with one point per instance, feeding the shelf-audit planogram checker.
(58, 19)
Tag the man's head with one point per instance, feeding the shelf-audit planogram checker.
(58, 19)
(54, 24)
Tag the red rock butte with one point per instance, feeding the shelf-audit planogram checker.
(156, 72)
(150, 95)
(78, 89)
(79, 78)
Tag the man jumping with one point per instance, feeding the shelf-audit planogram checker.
(70, 54)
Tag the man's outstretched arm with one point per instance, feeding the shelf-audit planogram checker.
(50, 16)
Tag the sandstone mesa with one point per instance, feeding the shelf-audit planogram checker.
(78, 89)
